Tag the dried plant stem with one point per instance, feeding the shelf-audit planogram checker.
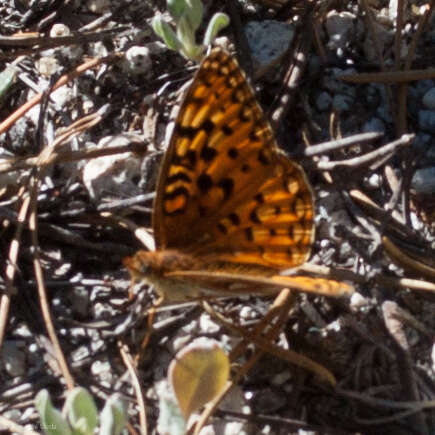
(45, 308)
(140, 397)
(11, 267)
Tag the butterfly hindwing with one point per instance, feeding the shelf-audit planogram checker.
(273, 227)
(234, 284)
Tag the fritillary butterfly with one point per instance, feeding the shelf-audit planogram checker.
(231, 210)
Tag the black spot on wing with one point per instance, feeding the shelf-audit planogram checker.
(233, 153)
(191, 158)
(249, 234)
(259, 198)
(227, 130)
(234, 218)
(208, 154)
(227, 186)
(207, 126)
(204, 183)
(186, 131)
(222, 228)
(254, 217)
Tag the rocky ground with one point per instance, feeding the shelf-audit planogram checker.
(76, 194)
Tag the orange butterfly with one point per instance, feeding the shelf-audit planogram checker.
(231, 210)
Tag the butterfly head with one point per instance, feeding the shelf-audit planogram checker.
(155, 268)
(152, 266)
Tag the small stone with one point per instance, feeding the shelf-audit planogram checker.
(68, 51)
(423, 181)
(323, 101)
(374, 181)
(208, 325)
(342, 103)
(340, 28)
(423, 86)
(325, 243)
(358, 302)
(99, 367)
(79, 299)
(429, 99)
(112, 174)
(98, 6)
(384, 37)
(268, 401)
(421, 142)
(426, 120)
(59, 29)
(374, 124)
(268, 41)
(47, 65)
(13, 358)
(80, 353)
(247, 313)
(416, 222)
(137, 61)
(62, 96)
(281, 378)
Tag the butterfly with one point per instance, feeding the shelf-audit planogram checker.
(231, 210)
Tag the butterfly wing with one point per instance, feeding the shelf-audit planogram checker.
(223, 186)
(234, 284)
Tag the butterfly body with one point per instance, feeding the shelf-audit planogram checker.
(155, 268)
(231, 210)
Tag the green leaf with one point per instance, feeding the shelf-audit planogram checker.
(7, 78)
(185, 34)
(176, 8)
(198, 374)
(52, 421)
(193, 13)
(113, 416)
(164, 30)
(189, 48)
(82, 411)
(216, 24)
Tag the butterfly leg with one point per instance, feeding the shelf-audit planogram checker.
(151, 313)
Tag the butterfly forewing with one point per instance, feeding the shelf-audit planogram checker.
(223, 187)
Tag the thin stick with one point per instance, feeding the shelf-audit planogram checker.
(390, 148)
(356, 139)
(140, 397)
(43, 299)
(11, 267)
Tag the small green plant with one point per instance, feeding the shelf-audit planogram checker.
(187, 15)
(81, 414)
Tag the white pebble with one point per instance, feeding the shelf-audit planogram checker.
(137, 61)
